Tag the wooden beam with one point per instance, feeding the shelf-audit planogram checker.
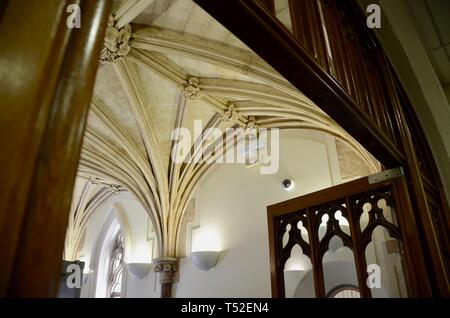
(265, 35)
(269, 5)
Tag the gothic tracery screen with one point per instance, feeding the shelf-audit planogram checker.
(345, 235)
(114, 287)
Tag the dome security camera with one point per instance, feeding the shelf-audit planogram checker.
(288, 184)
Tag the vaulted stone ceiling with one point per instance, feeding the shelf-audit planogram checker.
(165, 64)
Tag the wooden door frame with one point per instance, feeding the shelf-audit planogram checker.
(418, 285)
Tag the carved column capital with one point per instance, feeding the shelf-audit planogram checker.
(117, 42)
(167, 267)
(231, 114)
(94, 181)
(192, 89)
(114, 189)
(111, 188)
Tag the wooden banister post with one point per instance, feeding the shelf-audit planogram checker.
(45, 97)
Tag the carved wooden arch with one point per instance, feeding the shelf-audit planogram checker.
(376, 217)
(333, 227)
(349, 199)
(295, 238)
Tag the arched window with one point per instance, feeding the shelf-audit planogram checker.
(114, 286)
(344, 291)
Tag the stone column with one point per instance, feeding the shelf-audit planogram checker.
(167, 267)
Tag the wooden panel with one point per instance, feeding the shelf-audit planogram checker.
(269, 5)
(356, 64)
(418, 276)
(276, 286)
(3, 5)
(439, 277)
(307, 28)
(349, 198)
(427, 186)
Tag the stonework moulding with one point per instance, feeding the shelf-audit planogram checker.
(231, 114)
(167, 267)
(117, 42)
(192, 89)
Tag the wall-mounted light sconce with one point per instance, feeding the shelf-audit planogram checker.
(138, 270)
(205, 260)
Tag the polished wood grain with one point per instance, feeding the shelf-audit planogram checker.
(42, 125)
(269, 5)
(434, 191)
(34, 39)
(277, 285)
(307, 28)
(3, 5)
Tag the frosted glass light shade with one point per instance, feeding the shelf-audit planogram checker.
(138, 270)
(205, 260)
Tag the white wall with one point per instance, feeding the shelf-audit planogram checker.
(231, 213)
(230, 205)
(231, 216)
(147, 287)
(139, 241)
